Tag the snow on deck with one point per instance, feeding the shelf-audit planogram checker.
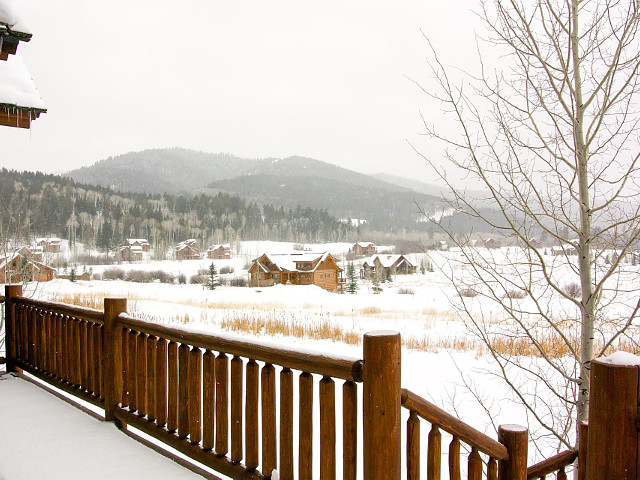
(48, 438)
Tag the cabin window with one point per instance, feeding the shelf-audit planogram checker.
(276, 276)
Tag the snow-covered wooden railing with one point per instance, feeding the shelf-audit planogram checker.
(213, 398)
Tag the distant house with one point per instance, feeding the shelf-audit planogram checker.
(187, 250)
(219, 252)
(128, 253)
(360, 249)
(304, 268)
(19, 268)
(566, 249)
(49, 245)
(139, 242)
(492, 243)
(384, 265)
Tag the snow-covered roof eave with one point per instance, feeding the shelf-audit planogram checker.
(12, 24)
(17, 89)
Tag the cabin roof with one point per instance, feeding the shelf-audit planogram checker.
(388, 261)
(17, 88)
(289, 261)
(12, 25)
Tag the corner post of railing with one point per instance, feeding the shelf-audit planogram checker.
(583, 439)
(516, 439)
(614, 419)
(10, 292)
(381, 406)
(112, 355)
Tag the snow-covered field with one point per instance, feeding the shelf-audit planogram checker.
(441, 359)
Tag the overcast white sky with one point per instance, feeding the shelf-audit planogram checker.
(252, 78)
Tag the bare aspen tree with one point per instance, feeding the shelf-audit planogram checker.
(548, 127)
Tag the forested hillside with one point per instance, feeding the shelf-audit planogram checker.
(97, 216)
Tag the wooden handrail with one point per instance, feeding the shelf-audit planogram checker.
(84, 313)
(450, 424)
(345, 368)
(552, 464)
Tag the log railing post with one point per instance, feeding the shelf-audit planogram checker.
(583, 439)
(381, 406)
(612, 445)
(112, 355)
(10, 292)
(516, 439)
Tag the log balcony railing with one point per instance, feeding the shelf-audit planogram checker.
(229, 404)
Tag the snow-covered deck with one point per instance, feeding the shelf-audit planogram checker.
(45, 437)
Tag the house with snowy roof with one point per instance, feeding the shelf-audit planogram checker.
(219, 252)
(20, 268)
(129, 253)
(143, 243)
(188, 250)
(20, 102)
(49, 244)
(384, 265)
(360, 249)
(298, 268)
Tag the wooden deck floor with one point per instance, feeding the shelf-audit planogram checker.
(46, 438)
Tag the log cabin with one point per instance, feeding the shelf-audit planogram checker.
(360, 249)
(384, 265)
(19, 268)
(20, 102)
(306, 268)
(219, 252)
(143, 243)
(187, 250)
(129, 253)
(49, 245)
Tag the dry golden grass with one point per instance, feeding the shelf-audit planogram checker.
(272, 320)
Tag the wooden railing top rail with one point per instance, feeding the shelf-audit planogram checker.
(96, 316)
(552, 464)
(338, 367)
(453, 426)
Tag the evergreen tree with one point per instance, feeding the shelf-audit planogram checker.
(352, 280)
(212, 278)
(388, 278)
(72, 274)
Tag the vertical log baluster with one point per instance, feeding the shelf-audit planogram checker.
(37, 338)
(141, 373)
(54, 345)
(84, 359)
(91, 359)
(349, 431)
(172, 373)
(285, 468)
(413, 446)
(100, 359)
(161, 382)
(50, 343)
(222, 404)
(77, 354)
(236, 409)
(492, 469)
(454, 459)
(124, 348)
(561, 474)
(327, 429)
(195, 395)
(251, 416)
(66, 355)
(183, 391)
(132, 341)
(305, 428)
(434, 453)
(269, 440)
(150, 387)
(475, 465)
(208, 400)
(29, 334)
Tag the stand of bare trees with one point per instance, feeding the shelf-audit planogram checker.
(548, 128)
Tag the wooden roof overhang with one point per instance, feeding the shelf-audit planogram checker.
(9, 40)
(16, 116)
